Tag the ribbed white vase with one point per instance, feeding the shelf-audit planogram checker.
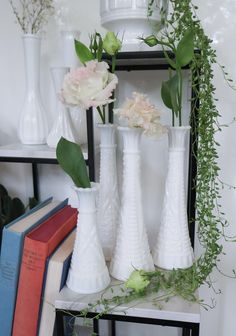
(173, 247)
(132, 249)
(88, 272)
(71, 60)
(33, 128)
(63, 125)
(128, 19)
(108, 200)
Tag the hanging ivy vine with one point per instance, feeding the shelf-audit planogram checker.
(209, 216)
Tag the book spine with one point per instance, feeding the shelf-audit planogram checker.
(9, 271)
(30, 283)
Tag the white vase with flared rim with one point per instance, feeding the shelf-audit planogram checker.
(88, 272)
(132, 248)
(33, 128)
(63, 125)
(129, 20)
(173, 247)
(108, 200)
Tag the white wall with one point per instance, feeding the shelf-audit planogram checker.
(219, 20)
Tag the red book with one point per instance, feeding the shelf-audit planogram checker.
(38, 245)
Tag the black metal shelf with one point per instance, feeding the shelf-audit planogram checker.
(130, 61)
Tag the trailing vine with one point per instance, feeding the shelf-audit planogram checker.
(210, 219)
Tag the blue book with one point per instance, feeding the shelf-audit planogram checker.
(54, 279)
(11, 255)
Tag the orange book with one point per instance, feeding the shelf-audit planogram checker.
(38, 246)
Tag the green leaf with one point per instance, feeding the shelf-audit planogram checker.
(32, 202)
(83, 52)
(17, 208)
(185, 49)
(169, 93)
(165, 94)
(71, 159)
(169, 60)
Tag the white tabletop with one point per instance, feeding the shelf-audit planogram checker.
(32, 151)
(176, 309)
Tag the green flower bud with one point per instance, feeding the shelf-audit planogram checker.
(137, 281)
(151, 40)
(111, 44)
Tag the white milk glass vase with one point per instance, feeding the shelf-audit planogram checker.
(88, 272)
(71, 60)
(128, 19)
(173, 247)
(63, 125)
(108, 204)
(33, 128)
(132, 248)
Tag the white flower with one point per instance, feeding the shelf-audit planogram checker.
(139, 112)
(89, 86)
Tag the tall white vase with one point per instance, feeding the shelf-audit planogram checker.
(173, 248)
(132, 249)
(33, 128)
(108, 204)
(71, 60)
(63, 125)
(88, 272)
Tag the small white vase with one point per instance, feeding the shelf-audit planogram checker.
(108, 204)
(33, 128)
(62, 126)
(128, 19)
(88, 272)
(132, 249)
(173, 247)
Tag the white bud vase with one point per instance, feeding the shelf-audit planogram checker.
(108, 204)
(62, 126)
(88, 272)
(173, 248)
(132, 249)
(33, 128)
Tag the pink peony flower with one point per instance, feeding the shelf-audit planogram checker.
(89, 86)
(139, 112)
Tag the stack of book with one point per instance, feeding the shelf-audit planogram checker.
(34, 261)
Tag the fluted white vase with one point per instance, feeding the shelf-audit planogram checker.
(63, 125)
(71, 60)
(173, 247)
(108, 204)
(132, 248)
(88, 272)
(33, 128)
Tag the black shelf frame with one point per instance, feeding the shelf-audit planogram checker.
(143, 61)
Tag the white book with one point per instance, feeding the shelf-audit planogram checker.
(55, 278)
